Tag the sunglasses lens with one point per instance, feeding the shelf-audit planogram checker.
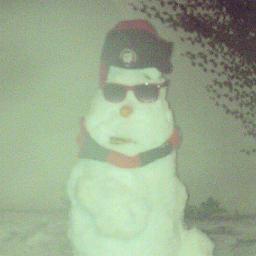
(114, 92)
(146, 93)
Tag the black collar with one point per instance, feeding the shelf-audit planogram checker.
(90, 149)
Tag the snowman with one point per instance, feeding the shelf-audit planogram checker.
(126, 199)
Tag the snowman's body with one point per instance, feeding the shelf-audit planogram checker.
(118, 211)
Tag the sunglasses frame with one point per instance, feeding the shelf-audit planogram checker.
(127, 88)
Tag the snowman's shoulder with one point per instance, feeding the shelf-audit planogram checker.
(79, 168)
(89, 169)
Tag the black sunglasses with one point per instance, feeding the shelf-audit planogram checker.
(144, 92)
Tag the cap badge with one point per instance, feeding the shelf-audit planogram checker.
(128, 56)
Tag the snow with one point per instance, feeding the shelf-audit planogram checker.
(33, 233)
(45, 234)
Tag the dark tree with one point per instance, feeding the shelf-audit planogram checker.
(225, 30)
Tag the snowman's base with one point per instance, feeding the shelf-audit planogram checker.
(118, 212)
(151, 242)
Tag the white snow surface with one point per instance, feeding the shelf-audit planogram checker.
(45, 234)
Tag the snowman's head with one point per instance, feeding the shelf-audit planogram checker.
(129, 113)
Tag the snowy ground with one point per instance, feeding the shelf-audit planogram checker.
(44, 234)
